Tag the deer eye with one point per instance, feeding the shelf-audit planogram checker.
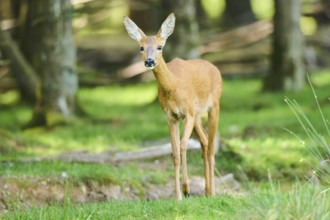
(141, 49)
(159, 48)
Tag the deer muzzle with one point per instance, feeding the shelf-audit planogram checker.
(149, 63)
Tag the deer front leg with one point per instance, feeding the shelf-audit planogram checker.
(175, 141)
(188, 127)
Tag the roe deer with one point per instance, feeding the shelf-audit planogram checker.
(186, 89)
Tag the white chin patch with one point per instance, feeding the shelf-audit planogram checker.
(150, 67)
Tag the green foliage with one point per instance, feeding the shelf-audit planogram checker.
(213, 8)
(263, 9)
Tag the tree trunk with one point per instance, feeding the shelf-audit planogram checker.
(202, 18)
(146, 14)
(5, 12)
(287, 71)
(184, 41)
(322, 33)
(25, 76)
(48, 45)
(237, 13)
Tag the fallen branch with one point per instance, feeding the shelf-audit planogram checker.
(239, 37)
(133, 70)
(109, 157)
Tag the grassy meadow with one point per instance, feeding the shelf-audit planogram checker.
(262, 143)
(302, 202)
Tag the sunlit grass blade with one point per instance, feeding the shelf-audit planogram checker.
(318, 146)
(319, 107)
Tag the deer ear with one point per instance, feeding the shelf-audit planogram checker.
(167, 27)
(132, 29)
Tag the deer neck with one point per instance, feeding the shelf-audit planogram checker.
(164, 76)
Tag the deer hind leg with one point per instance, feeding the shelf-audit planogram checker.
(175, 142)
(202, 135)
(188, 127)
(213, 128)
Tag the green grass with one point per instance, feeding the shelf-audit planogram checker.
(252, 124)
(317, 143)
(194, 208)
(301, 202)
(255, 137)
(121, 121)
(76, 172)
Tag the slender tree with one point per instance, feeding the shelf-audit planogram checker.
(203, 20)
(5, 12)
(237, 13)
(287, 70)
(24, 75)
(185, 39)
(146, 14)
(322, 34)
(49, 47)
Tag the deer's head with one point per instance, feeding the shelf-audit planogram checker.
(151, 46)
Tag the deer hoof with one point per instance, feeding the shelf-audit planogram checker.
(186, 190)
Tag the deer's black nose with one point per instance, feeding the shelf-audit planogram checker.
(149, 63)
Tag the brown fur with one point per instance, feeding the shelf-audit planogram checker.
(191, 86)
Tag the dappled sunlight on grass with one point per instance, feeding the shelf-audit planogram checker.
(321, 78)
(9, 98)
(122, 118)
(244, 105)
(254, 127)
(119, 95)
(260, 137)
(282, 156)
